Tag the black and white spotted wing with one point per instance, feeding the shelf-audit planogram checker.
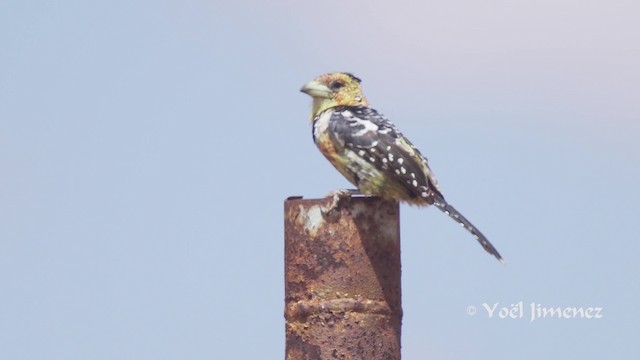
(373, 137)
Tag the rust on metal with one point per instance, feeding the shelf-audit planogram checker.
(342, 280)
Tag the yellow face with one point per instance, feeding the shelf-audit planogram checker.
(334, 89)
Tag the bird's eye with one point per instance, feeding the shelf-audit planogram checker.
(336, 85)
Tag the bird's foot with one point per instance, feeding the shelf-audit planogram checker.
(339, 198)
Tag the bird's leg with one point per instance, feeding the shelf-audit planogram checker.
(339, 198)
(350, 192)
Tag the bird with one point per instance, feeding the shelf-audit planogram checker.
(371, 153)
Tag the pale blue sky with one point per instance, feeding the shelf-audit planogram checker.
(146, 149)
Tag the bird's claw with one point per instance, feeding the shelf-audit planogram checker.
(339, 198)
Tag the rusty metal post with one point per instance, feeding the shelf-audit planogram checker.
(342, 280)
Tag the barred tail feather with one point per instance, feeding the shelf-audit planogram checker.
(460, 219)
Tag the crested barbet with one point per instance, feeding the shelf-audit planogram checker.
(370, 152)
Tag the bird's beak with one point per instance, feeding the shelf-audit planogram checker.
(316, 90)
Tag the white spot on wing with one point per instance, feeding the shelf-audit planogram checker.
(366, 127)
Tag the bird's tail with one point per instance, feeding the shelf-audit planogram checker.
(441, 204)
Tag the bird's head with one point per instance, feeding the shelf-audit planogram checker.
(334, 89)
